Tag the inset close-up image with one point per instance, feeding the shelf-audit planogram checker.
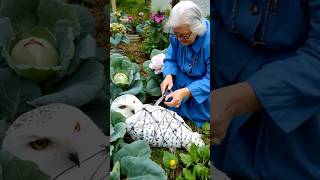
(265, 89)
(53, 96)
(159, 89)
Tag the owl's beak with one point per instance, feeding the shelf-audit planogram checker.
(74, 157)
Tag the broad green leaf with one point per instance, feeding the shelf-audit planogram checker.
(119, 132)
(193, 153)
(79, 88)
(16, 169)
(65, 38)
(86, 19)
(14, 94)
(125, 39)
(6, 31)
(167, 157)
(147, 69)
(188, 174)
(204, 152)
(155, 52)
(153, 88)
(186, 159)
(51, 11)
(142, 97)
(201, 171)
(116, 39)
(87, 47)
(114, 91)
(117, 146)
(135, 89)
(135, 168)
(115, 173)
(136, 149)
(116, 117)
(22, 13)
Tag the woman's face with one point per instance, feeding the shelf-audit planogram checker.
(184, 34)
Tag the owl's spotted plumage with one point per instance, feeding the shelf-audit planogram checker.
(63, 141)
(156, 125)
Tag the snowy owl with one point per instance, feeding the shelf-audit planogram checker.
(63, 141)
(158, 126)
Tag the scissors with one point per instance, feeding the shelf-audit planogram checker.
(167, 91)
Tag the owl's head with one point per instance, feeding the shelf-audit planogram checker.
(126, 105)
(55, 137)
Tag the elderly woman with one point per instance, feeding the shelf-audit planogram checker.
(186, 68)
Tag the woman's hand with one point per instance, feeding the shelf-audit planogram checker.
(167, 83)
(177, 97)
(228, 102)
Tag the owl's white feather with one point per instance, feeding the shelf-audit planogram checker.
(73, 137)
(156, 125)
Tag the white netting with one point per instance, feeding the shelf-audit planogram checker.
(161, 127)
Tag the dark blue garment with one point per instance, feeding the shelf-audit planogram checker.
(275, 46)
(190, 66)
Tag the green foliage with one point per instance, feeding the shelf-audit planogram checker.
(154, 36)
(68, 29)
(14, 168)
(118, 34)
(125, 77)
(168, 159)
(131, 160)
(62, 68)
(133, 7)
(153, 80)
(197, 163)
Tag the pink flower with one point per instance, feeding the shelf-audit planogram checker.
(130, 18)
(157, 63)
(157, 17)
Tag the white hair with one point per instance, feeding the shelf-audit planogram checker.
(186, 12)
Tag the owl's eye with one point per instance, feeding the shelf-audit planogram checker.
(77, 127)
(40, 144)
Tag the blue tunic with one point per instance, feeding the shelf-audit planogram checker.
(275, 46)
(190, 66)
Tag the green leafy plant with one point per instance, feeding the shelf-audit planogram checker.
(125, 77)
(153, 68)
(130, 160)
(48, 55)
(197, 163)
(170, 163)
(118, 34)
(10, 165)
(52, 53)
(153, 33)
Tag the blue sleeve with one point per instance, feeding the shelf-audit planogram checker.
(289, 89)
(170, 65)
(200, 89)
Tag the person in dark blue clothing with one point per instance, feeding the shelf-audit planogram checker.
(266, 89)
(186, 68)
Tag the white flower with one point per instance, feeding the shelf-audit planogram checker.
(157, 63)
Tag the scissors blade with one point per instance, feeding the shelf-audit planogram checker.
(159, 100)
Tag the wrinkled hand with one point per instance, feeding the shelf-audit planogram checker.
(167, 83)
(177, 97)
(228, 102)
